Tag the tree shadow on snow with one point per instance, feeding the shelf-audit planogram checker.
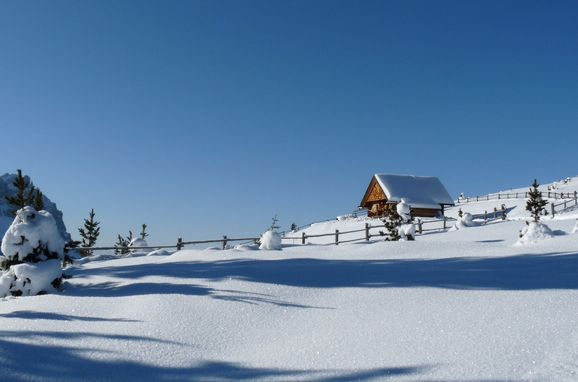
(23, 361)
(120, 289)
(519, 272)
(32, 315)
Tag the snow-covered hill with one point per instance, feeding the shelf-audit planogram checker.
(454, 306)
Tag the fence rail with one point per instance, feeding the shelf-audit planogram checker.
(556, 208)
(517, 195)
(179, 245)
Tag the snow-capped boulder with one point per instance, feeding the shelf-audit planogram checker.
(534, 232)
(33, 249)
(270, 240)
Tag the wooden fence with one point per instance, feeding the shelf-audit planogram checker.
(367, 234)
(518, 195)
(556, 208)
(179, 245)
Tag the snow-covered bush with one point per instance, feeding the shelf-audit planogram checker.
(270, 240)
(407, 229)
(534, 232)
(138, 246)
(466, 220)
(33, 249)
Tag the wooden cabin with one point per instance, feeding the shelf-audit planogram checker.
(426, 196)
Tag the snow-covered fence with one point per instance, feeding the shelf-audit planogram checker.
(517, 195)
(369, 232)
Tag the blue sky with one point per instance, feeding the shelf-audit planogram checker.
(203, 118)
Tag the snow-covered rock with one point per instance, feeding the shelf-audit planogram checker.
(534, 232)
(270, 240)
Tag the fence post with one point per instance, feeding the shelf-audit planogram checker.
(445, 220)
(565, 204)
(485, 217)
(575, 195)
(553, 209)
(179, 243)
(367, 231)
(477, 198)
(495, 213)
(488, 197)
(499, 196)
(336, 237)
(302, 237)
(419, 226)
(224, 242)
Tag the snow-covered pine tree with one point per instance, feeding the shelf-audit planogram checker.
(89, 233)
(535, 204)
(392, 222)
(143, 233)
(24, 193)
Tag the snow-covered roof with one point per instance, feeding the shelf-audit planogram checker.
(417, 191)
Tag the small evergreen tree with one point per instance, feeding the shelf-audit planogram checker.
(143, 233)
(274, 225)
(392, 222)
(535, 204)
(38, 200)
(89, 233)
(24, 193)
(122, 244)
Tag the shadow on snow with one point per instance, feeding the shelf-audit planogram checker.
(519, 272)
(21, 361)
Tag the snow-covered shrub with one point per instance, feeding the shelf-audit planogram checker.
(270, 240)
(33, 249)
(534, 232)
(138, 246)
(407, 229)
(466, 220)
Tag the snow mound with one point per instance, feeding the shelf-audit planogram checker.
(535, 232)
(33, 236)
(160, 252)
(271, 240)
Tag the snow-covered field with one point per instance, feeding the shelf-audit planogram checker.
(467, 305)
(464, 305)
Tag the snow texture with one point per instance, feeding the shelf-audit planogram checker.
(271, 240)
(418, 191)
(30, 231)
